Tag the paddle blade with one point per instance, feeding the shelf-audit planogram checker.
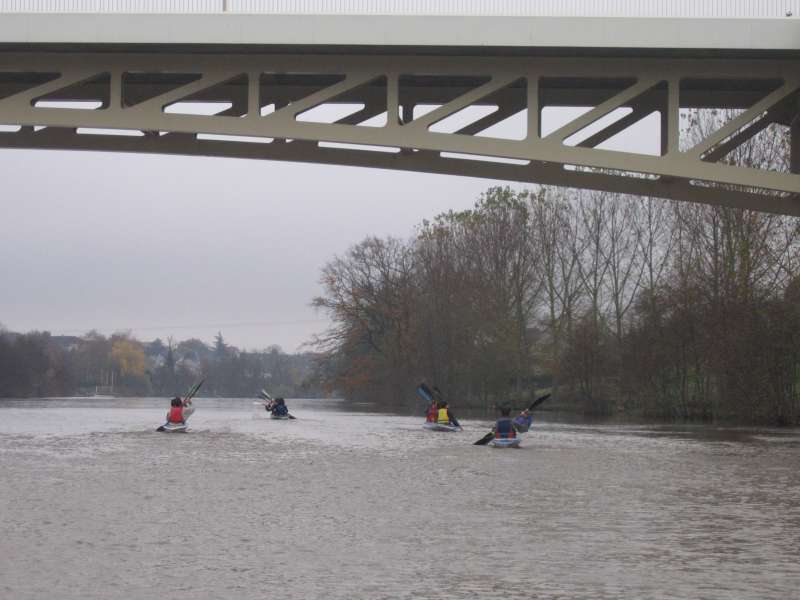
(195, 389)
(161, 428)
(424, 394)
(538, 401)
(485, 439)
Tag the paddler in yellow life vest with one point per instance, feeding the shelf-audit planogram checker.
(446, 417)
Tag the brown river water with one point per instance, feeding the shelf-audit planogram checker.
(94, 504)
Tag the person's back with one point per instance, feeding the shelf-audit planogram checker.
(445, 416)
(175, 414)
(504, 428)
(280, 409)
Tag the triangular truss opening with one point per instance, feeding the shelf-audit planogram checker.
(92, 93)
(226, 98)
(642, 136)
(140, 86)
(711, 107)
(562, 100)
(768, 150)
(363, 105)
(460, 119)
(495, 115)
(16, 82)
(555, 117)
(624, 116)
(420, 95)
(204, 109)
(636, 131)
(283, 89)
(513, 127)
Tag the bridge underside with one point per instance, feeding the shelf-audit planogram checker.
(462, 115)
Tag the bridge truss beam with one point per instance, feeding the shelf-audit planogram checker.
(461, 115)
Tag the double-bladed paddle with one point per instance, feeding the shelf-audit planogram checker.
(488, 437)
(425, 392)
(538, 401)
(194, 390)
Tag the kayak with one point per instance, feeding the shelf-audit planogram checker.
(439, 427)
(173, 427)
(505, 442)
(188, 411)
(279, 417)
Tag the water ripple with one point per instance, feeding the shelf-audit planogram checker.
(96, 504)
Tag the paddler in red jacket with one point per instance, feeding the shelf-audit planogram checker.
(433, 412)
(179, 410)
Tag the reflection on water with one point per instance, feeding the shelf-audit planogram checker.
(344, 504)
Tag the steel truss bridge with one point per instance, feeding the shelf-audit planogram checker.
(462, 95)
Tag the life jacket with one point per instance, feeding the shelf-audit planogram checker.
(431, 416)
(175, 414)
(280, 410)
(504, 429)
(444, 417)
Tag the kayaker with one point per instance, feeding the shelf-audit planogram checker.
(433, 411)
(445, 416)
(280, 409)
(505, 427)
(179, 410)
(523, 421)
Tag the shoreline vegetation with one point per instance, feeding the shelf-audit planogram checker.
(619, 305)
(38, 364)
(622, 307)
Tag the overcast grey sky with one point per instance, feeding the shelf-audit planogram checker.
(188, 246)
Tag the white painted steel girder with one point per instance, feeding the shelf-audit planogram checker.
(134, 93)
